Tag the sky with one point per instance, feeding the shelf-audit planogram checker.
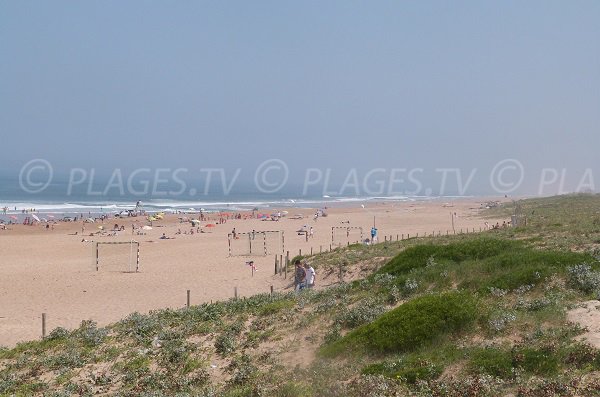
(337, 84)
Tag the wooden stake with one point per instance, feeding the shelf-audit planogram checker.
(43, 325)
(188, 299)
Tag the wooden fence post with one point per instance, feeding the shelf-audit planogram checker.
(43, 325)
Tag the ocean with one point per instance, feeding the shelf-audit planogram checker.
(59, 200)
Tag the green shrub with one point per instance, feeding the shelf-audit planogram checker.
(293, 389)
(419, 256)
(411, 325)
(482, 263)
(225, 343)
(582, 277)
(582, 355)
(58, 333)
(275, 307)
(542, 362)
(491, 361)
(90, 334)
(409, 370)
(363, 313)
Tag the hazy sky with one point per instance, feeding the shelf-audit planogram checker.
(337, 84)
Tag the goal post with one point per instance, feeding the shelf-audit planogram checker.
(346, 234)
(134, 255)
(256, 243)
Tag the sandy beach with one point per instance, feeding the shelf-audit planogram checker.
(53, 271)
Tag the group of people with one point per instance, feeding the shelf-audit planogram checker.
(497, 225)
(305, 276)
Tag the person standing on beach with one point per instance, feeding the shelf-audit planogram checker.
(373, 234)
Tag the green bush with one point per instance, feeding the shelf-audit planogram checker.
(275, 307)
(293, 389)
(411, 325)
(419, 256)
(582, 355)
(363, 313)
(409, 370)
(542, 362)
(491, 361)
(482, 263)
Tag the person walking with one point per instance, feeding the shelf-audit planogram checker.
(299, 277)
(310, 275)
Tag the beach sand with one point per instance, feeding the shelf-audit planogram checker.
(53, 271)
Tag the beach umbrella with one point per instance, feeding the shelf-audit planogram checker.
(13, 218)
(34, 216)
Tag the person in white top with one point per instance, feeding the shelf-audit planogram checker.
(310, 276)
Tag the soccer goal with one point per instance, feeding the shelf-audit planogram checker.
(123, 256)
(342, 235)
(256, 243)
